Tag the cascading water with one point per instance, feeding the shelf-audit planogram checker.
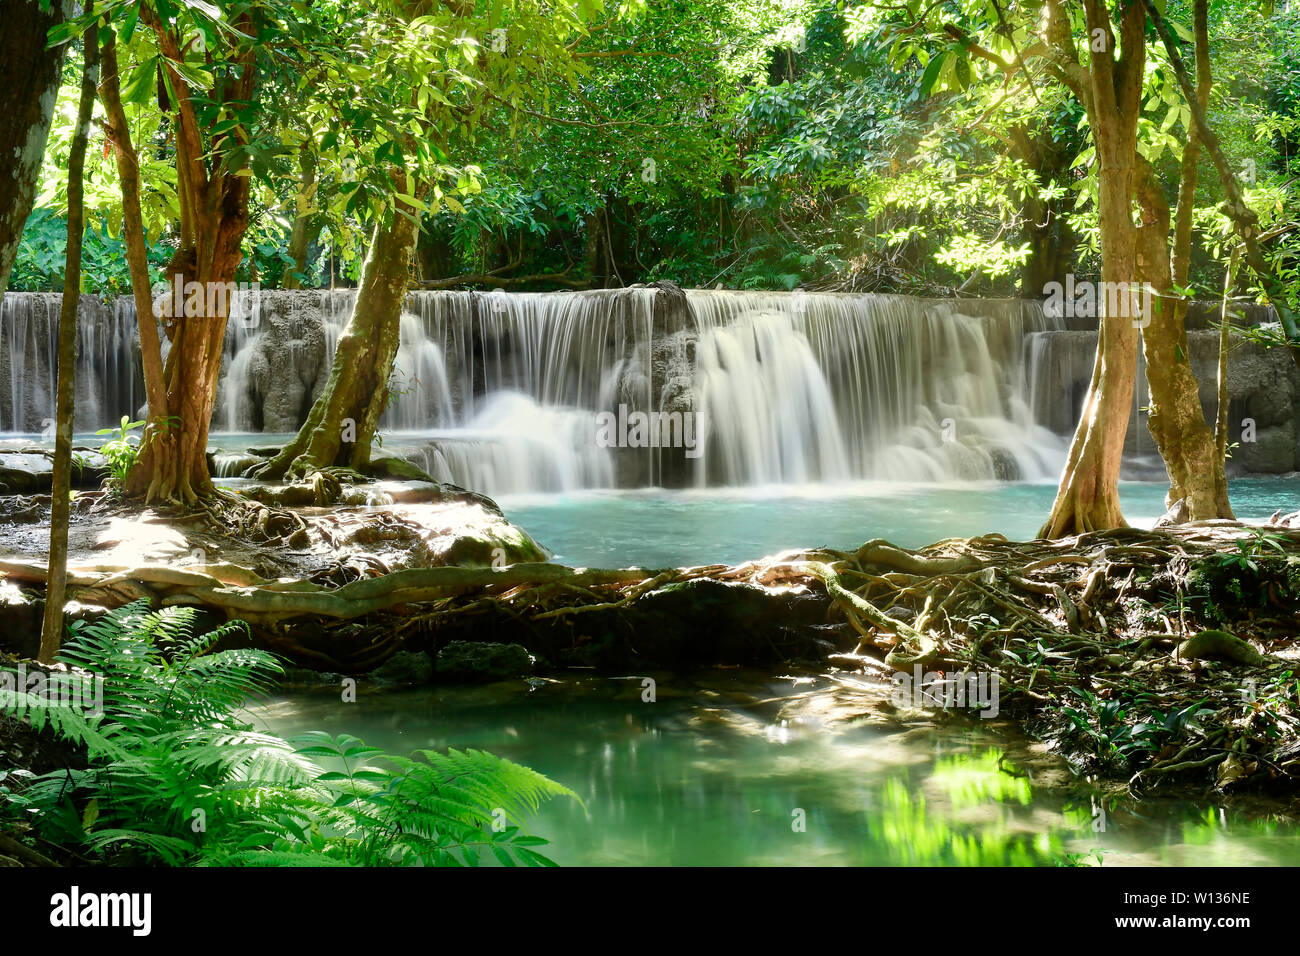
(800, 388)
(499, 392)
(109, 383)
(505, 393)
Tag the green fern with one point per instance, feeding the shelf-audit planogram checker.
(174, 777)
(443, 810)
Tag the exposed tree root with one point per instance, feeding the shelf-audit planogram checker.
(1081, 632)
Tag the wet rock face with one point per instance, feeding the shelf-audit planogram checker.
(1263, 385)
(1005, 467)
(669, 391)
(1272, 452)
(271, 382)
(474, 661)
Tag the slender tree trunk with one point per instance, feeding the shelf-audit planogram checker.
(157, 428)
(56, 580)
(303, 233)
(29, 85)
(343, 420)
(1176, 419)
(1088, 496)
(594, 245)
(1225, 340)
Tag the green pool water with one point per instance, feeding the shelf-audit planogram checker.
(731, 769)
(656, 528)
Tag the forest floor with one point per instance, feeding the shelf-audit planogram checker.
(1150, 659)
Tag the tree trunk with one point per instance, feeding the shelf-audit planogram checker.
(118, 132)
(29, 85)
(214, 217)
(303, 232)
(1088, 496)
(56, 581)
(595, 242)
(1176, 419)
(1225, 338)
(343, 420)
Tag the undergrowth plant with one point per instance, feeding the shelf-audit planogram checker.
(121, 450)
(175, 776)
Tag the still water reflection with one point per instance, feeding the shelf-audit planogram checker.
(730, 769)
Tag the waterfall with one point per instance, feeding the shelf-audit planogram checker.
(510, 392)
(109, 380)
(837, 387)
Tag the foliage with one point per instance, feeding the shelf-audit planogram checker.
(42, 255)
(753, 143)
(121, 450)
(1116, 731)
(175, 776)
(1256, 544)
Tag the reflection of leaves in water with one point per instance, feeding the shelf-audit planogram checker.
(1234, 838)
(917, 837)
(973, 779)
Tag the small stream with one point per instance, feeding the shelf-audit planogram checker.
(736, 769)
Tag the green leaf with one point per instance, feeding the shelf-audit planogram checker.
(503, 856)
(205, 8)
(140, 88)
(931, 74)
(128, 26)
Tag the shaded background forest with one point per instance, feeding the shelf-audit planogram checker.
(741, 145)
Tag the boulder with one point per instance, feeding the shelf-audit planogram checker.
(483, 661)
(404, 667)
(1178, 513)
(1273, 451)
(25, 474)
(493, 544)
(279, 365)
(387, 465)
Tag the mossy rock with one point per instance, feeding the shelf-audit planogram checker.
(404, 667)
(387, 465)
(483, 661)
(495, 545)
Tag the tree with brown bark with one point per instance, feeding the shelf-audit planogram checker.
(1105, 57)
(440, 84)
(61, 482)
